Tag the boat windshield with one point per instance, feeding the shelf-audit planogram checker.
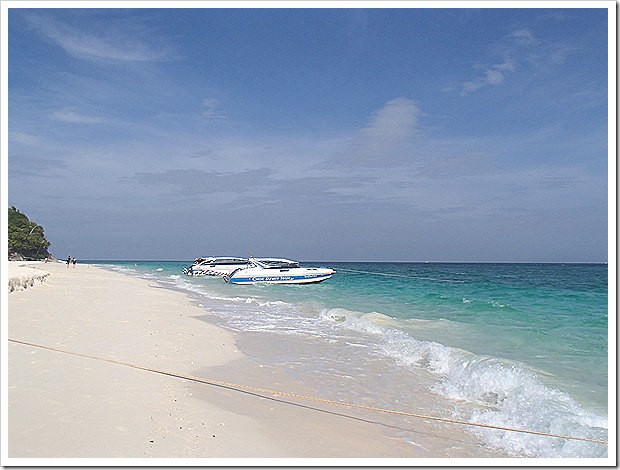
(277, 263)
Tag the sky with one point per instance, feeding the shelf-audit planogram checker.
(331, 134)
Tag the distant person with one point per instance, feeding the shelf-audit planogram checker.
(68, 261)
(74, 262)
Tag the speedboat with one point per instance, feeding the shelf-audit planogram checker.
(215, 266)
(277, 271)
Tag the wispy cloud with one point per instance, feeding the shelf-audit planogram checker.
(524, 37)
(212, 110)
(520, 50)
(193, 181)
(492, 75)
(542, 53)
(111, 46)
(28, 166)
(70, 116)
(26, 139)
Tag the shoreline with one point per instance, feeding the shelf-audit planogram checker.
(81, 407)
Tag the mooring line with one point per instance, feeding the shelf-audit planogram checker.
(434, 279)
(303, 397)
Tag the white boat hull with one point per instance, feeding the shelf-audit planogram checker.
(279, 276)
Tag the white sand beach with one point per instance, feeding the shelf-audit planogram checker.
(73, 336)
(24, 275)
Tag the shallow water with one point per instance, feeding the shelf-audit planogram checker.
(514, 345)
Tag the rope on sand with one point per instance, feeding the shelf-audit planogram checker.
(302, 397)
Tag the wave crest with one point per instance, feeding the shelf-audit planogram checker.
(507, 393)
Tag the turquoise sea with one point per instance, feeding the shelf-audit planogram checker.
(515, 345)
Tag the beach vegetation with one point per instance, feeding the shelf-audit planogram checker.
(26, 238)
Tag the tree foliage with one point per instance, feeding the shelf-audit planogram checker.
(26, 238)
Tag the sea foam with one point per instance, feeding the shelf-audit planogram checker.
(505, 393)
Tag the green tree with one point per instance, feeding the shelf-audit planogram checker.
(26, 238)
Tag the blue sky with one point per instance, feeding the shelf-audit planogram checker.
(439, 134)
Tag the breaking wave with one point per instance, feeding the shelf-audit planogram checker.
(508, 394)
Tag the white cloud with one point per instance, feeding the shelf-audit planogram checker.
(523, 37)
(25, 139)
(212, 111)
(70, 116)
(491, 76)
(397, 119)
(522, 50)
(385, 141)
(112, 46)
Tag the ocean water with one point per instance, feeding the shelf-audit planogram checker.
(515, 345)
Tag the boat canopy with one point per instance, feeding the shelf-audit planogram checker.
(220, 260)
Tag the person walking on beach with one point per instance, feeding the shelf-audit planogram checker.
(68, 260)
(74, 262)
